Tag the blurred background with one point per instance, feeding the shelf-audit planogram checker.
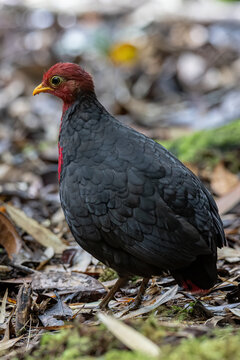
(166, 68)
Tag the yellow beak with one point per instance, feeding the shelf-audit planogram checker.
(41, 88)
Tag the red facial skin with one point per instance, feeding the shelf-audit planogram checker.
(75, 79)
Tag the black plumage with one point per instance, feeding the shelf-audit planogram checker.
(131, 203)
(127, 200)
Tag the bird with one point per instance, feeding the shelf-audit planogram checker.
(127, 200)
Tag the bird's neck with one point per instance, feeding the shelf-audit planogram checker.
(66, 105)
(84, 106)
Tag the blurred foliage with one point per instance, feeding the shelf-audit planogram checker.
(230, 0)
(209, 146)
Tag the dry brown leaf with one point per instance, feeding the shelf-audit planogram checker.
(6, 344)
(228, 201)
(3, 307)
(222, 180)
(5, 269)
(81, 261)
(129, 336)
(44, 236)
(235, 312)
(68, 283)
(19, 280)
(213, 321)
(9, 237)
(232, 231)
(229, 254)
(193, 168)
(24, 302)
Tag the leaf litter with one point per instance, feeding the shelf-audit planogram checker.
(9, 237)
(47, 283)
(128, 336)
(41, 234)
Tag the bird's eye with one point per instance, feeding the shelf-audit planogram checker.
(56, 80)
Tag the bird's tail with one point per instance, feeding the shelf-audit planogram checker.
(199, 276)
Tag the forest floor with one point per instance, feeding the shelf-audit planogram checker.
(50, 287)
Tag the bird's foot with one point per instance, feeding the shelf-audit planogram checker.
(138, 299)
(105, 301)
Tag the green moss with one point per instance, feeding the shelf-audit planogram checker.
(79, 342)
(125, 355)
(70, 353)
(181, 314)
(224, 346)
(108, 274)
(58, 337)
(209, 146)
(96, 342)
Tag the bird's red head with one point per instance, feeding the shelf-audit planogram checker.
(65, 80)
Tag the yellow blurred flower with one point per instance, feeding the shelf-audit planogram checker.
(123, 53)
